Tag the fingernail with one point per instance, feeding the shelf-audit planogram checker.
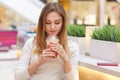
(48, 46)
(50, 49)
(56, 54)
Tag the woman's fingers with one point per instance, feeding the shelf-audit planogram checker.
(56, 47)
(53, 51)
(48, 53)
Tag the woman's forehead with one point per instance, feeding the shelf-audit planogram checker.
(53, 16)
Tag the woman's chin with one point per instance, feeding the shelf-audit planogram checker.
(52, 34)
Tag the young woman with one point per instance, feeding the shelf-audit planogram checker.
(38, 62)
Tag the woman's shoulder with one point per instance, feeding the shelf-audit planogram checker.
(30, 41)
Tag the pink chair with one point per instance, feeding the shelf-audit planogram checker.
(8, 38)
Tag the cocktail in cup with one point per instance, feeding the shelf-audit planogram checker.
(52, 39)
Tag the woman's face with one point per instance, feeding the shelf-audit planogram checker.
(53, 23)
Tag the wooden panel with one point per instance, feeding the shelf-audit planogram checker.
(89, 74)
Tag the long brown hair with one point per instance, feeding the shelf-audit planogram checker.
(41, 34)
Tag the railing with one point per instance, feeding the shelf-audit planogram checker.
(25, 8)
(37, 3)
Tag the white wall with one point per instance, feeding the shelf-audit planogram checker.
(25, 8)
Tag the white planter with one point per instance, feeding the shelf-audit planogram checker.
(105, 50)
(82, 43)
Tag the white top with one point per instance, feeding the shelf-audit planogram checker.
(50, 70)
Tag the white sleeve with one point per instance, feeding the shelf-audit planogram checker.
(21, 72)
(73, 74)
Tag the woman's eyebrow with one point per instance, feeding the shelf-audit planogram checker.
(47, 20)
(58, 20)
(54, 20)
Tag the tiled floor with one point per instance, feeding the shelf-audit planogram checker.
(7, 65)
(7, 70)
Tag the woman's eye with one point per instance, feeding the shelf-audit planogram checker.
(47, 23)
(57, 23)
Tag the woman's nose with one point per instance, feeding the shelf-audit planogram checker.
(53, 26)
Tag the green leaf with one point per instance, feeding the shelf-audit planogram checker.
(107, 33)
(76, 30)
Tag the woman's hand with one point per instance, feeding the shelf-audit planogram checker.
(47, 54)
(59, 50)
(54, 50)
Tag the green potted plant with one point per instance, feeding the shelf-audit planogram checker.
(105, 43)
(76, 30)
(77, 34)
(107, 33)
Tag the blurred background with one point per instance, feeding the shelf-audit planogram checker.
(88, 12)
(18, 20)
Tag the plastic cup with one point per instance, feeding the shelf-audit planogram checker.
(52, 39)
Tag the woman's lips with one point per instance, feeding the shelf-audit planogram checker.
(52, 32)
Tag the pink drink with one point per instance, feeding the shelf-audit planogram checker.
(52, 39)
